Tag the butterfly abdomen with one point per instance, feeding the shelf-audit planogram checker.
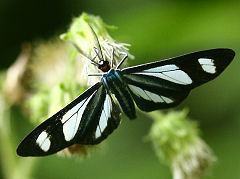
(113, 82)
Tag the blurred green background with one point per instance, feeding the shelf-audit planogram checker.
(156, 29)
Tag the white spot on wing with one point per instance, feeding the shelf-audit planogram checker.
(209, 69)
(178, 76)
(98, 132)
(207, 65)
(168, 72)
(43, 141)
(147, 95)
(162, 68)
(70, 127)
(205, 61)
(81, 110)
(106, 113)
(71, 124)
(72, 111)
(155, 98)
(139, 92)
(167, 100)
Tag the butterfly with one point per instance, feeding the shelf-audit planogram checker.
(95, 114)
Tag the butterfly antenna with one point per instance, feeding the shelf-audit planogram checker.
(85, 55)
(100, 55)
(96, 52)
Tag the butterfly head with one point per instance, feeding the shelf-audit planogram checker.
(104, 66)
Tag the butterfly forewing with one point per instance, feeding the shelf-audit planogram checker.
(76, 123)
(106, 121)
(99, 119)
(166, 83)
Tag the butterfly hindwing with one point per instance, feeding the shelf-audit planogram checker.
(76, 123)
(166, 83)
(150, 93)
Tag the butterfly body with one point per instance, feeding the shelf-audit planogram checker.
(114, 83)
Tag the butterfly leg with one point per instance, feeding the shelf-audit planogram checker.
(123, 59)
(96, 74)
(112, 57)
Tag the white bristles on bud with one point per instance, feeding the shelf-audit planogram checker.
(86, 32)
(176, 142)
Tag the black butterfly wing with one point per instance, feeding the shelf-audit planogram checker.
(99, 120)
(89, 119)
(150, 93)
(167, 83)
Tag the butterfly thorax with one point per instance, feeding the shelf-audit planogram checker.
(115, 85)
